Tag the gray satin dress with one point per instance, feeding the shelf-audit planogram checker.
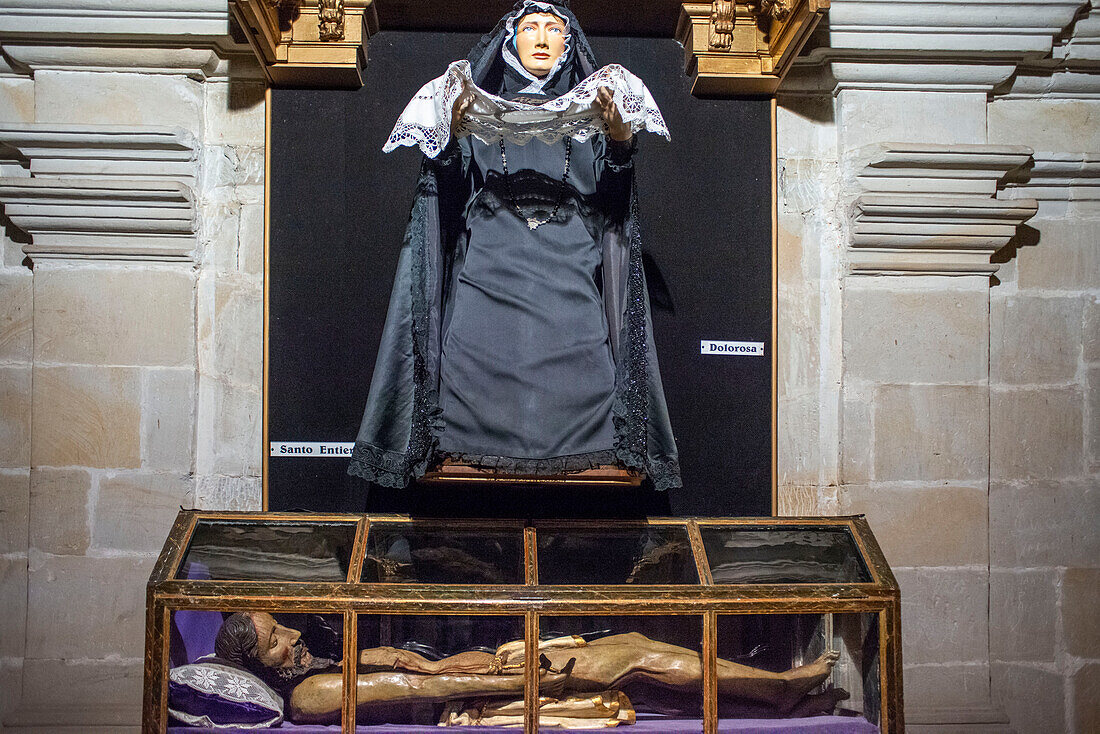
(526, 371)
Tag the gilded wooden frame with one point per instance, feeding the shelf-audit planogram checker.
(530, 600)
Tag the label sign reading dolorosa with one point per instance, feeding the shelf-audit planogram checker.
(312, 449)
(732, 349)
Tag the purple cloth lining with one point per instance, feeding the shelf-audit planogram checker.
(809, 725)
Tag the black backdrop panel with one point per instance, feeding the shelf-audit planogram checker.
(338, 212)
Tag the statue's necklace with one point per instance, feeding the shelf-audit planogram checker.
(534, 222)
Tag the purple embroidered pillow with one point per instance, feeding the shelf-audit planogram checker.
(209, 694)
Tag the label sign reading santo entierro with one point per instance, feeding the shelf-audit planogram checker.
(312, 449)
(732, 349)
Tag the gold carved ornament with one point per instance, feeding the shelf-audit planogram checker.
(330, 20)
(310, 43)
(723, 18)
(737, 47)
(723, 15)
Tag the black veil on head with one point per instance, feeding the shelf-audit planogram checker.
(490, 71)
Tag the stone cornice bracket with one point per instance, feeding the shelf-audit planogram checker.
(928, 209)
(101, 192)
(1068, 180)
(314, 43)
(936, 45)
(744, 46)
(1073, 69)
(143, 36)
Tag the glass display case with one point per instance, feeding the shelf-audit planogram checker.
(292, 622)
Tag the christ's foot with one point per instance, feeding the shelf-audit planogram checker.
(803, 679)
(819, 703)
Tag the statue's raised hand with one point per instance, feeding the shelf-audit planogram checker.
(462, 103)
(609, 111)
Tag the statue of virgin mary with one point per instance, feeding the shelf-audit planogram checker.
(518, 336)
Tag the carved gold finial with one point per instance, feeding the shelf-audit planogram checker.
(777, 9)
(722, 15)
(330, 20)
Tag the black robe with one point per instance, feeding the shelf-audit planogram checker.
(527, 351)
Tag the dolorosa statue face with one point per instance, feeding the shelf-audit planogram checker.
(540, 41)
(278, 646)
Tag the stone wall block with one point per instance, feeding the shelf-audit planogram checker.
(12, 249)
(15, 416)
(1033, 698)
(1094, 417)
(805, 127)
(63, 592)
(915, 336)
(1092, 330)
(13, 611)
(930, 432)
(229, 493)
(234, 446)
(936, 525)
(134, 512)
(799, 452)
(15, 315)
(1065, 258)
(59, 511)
(857, 446)
(15, 496)
(799, 342)
(11, 685)
(168, 419)
(872, 116)
(88, 685)
(1022, 614)
(238, 332)
(1045, 124)
(945, 686)
(250, 240)
(222, 224)
(1036, 433)
(124, 316)
(1035, 340)
(16, 100)
(797, 500)
(1081, 613)
(240, 168)
(1085, 686)
(235, 113)
(1043, 523)
(87, 416)
(118, 99)
(945, 613)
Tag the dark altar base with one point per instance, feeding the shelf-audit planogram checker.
(338, 212)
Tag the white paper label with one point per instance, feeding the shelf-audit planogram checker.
(732, 349)
(312, 449)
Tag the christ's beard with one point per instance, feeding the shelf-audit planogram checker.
(303, 665)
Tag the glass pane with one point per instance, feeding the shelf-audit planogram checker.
(782, 555)
(265, 551)
(641, 670)
(410, 552)
(817, 667)
(651, 554)
(240, 671)
(417, 670)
